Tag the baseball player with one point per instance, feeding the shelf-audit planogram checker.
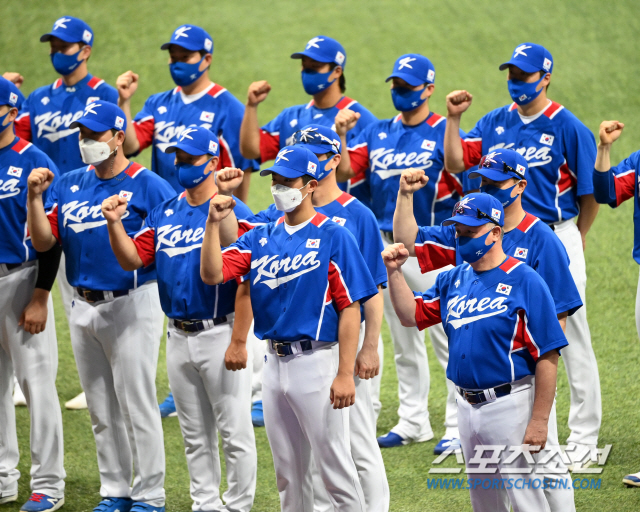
(116, 320)
(28, 345)
(503, 174)
(414, 138)
(195, 100)
(323, 62)
(561, 150)
(613, 186)
(208, 397)
(504, 342)
(307, 279)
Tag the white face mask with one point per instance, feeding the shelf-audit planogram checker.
(287, 199)
(94, 152)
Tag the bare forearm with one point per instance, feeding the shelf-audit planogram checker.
(603, 158)
(373, 310)
(123, 247)
(546, 380)
(344, 172)
(131, 143)
(250, 133)
(211, 255)
(243, 314)
(402, 298)
(453, 154)
(562, 319)
(39, 227)
(588, 212)
(348, 333)
(405, 227)
(229, 230)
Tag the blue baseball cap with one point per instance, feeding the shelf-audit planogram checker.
(501, 165)
(192, 38)
(196, 140)
(413, 68)
(318, 139)
(294, 162)
(323, 49)
(476, 210)
(9, 93)
(101, 116)
(71, 30)
(530, 57)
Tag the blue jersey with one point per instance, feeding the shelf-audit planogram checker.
(17, 160)
(74, 208)
(560, 150)
(278, 132)
(172, 238)
(498, 322)
(48, 112)
(616, 186)
(386, 148)
(300, 281)
(532, 242)
(165, 115)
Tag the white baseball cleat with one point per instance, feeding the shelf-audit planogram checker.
(19, 399)
(8, 499)
(77, 403)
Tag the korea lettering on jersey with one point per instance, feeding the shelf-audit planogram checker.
(166, 115)
(532, 242)
(74, 209)
(498, 322)
(386, 148)
(301, 281)
(48, 112)
(278, 133)
(172, 238)
(17, 160)
(560, 151)
(618, 185)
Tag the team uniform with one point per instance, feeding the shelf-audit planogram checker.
(278, 133)
(300, 278)
(115, 326)
(499, 323)
(208, 397)
(560, 151)
(165, 115)
(382, 151)
(32, 357)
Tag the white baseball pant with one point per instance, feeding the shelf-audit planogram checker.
(364, 450)
(300, 420)
(34, 359)
(66, 290)
(116, 346)
(412, 365)
(211, 399)
(585, 412)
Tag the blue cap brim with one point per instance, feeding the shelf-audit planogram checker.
(92, 125)
(60, 35)
(524, 66)
(319, 149)
(410, 79)
(186, 148)
(312, 55)
(465, 220)
(190, 47)
(492, 174)
(287, 172)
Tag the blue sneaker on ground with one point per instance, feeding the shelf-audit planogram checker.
(444, 444)
(391, 440)
(168, 408)
(632, 480)
(257, 417)
(41, 502)
(114, 504)
(140, 506)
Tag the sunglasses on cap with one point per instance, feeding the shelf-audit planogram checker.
(468, 211)
(311, 136)
(486, 161)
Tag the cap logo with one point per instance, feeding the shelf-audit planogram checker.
(281, 155)
(521, 169)
(490, 159)
(314, 42)
(431, 74)
(461, 205)
(185, 134)
(546, 65)
(89, 108)
(86, 36)
(495, 213)
(208, 44)
(520, 50)
(311, 167)
(60, 23)
(13, 98)
(213, 147)
(404, 63)
(181, 32)
(339, 58)
(307, 134)
(119, 122)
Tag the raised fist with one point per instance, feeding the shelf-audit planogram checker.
(113, 208)
(394, 256)
(220, 207)
(258, 92)
(345, 120)
(127, 84)
(16, 78)
(458, 102)
(39, 180)
(610, 131)
(412, 180)
(228, 180)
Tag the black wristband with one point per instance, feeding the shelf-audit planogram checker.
(48, 263)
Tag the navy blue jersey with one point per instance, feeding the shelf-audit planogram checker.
(48, 112)
(165, 115)
(301, 281)
(17, 160)
(74, 208)
(560, 151)
(532, 242)
(498, 322)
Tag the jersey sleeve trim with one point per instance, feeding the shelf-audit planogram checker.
(432, 255)
(95, 82)
(226, 157)
(144, 131)
(318, 219)
(216, 90)
(23, 126)
(471, 151)
(527, 223)
(21, 146)
(134, 169)
(338, 288)
(553, 110)
(144, 242)
(510, 265)
(625, 185)
(359, 156)
(434, 119)
(52, 216)
(345, 199)
(235, 263)
(427, 311)
(269, 145)
(345, 102)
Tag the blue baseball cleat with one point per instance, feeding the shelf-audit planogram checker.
(140, 506)
(168, 408)
(41, 502)
(114, 505)
(444, 444)
(257, 417)
(632, 480)
(391, 440)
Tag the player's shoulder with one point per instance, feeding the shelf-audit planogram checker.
(516, 270)
(562, 116)
(354, 206)
(26, 149)
(164, 96)
(219, 92)
(44, 90)
(99, 85)
(436, 121)
(167, 208)
(76, 176)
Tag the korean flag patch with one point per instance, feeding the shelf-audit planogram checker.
(313, 243)
(495, 213)
(521, 253)
(546, 139)
(311, 167)
(431, 75)
(13, 98)
(119, 122)
(339, 220)
(125, 195)
(14, 171)
(504, 289)
(428, 145)
(213, 147)
(207, 117)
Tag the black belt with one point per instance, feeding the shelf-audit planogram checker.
(478, 397)
(552, 226)
(11, 266)
(283, 348)
(98, 295)
(197, 325)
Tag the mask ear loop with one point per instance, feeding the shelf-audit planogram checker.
(114, 152)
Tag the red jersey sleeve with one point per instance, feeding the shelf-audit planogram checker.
(144, 241)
